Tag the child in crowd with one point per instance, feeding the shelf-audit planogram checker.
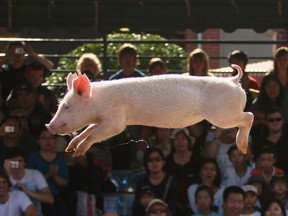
(250, 200)
(265, 169)
(280, 189)
(157, 207)
(146, 195)
(259, 183)
(240, 172)
(204, 199)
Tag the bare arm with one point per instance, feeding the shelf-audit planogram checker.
(45, 195)
(31, 211)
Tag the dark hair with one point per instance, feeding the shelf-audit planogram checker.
(127, 48)
(231, 149)
(4, 175)
(147, 154)
(16, 44)
(154, 62)
(238, 55)
(266, 150)
(272, 111)
(217, 180)
(269, 203)
(263, 100)
(15, 152)
(232, 189)
(16, 118)
(205, 188)
(40, 129)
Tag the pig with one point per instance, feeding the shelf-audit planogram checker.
(166, 101)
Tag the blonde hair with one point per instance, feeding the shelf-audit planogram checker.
(200, 54)
(89, 57)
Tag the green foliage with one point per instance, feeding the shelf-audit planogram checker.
(172, 54)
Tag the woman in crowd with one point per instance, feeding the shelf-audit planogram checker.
(210, 176)
(161, 184)
(281, 65)
(198, 63)
(183, 165)
(90, 65)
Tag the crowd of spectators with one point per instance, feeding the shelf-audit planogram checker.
(196, 170)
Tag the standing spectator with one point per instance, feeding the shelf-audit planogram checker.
(162, 184)
(233, 201)
(209, 176)
(183, 164)
(30, 181)
(241, 170)
(14, 202)
(250, 201)
(54, 168)
(198, 63)
(127, 59)
(240, 58)
(280, 67)
(90, 65)
(156, 66)
(13, 73)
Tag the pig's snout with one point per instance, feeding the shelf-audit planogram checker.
(50, 128)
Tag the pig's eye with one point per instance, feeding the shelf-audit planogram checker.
(66, 106)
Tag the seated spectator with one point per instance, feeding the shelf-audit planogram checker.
(272, 95)
(280, 67)
(265, 161)
(161, 140)
(12, 74)
(162, 184)
(241, 170)
(204, 200)
(233, 201)
(158, 206)
(54, 168)
(250, 200)
(13, 133)
(183, 164)
(209, 176)
(14, 203)
(29, 181)
(35, 113)
(259, 183)
(273, 207)
(146, 195)
(280, 189)
(90, 65)
(156, 66)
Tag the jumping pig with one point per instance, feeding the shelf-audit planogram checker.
(167, 101)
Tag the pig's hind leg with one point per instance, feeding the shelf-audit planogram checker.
(244, 126)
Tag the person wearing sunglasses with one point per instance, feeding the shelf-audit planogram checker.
(158, 207)
(161, 184)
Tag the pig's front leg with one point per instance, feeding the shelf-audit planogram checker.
(76, 140)
(99, 133)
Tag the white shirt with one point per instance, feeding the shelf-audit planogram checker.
(34, 181)
(231, 177)
(17, 203)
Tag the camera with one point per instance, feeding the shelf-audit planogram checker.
(19, 50)
(9, 129)
(14, 164)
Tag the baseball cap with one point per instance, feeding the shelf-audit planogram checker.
(250, 188)
(146, 189)
(154, 201)
(25, 87)
(185, 131)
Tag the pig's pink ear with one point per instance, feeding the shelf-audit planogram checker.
(70, 79)
(82, 86)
